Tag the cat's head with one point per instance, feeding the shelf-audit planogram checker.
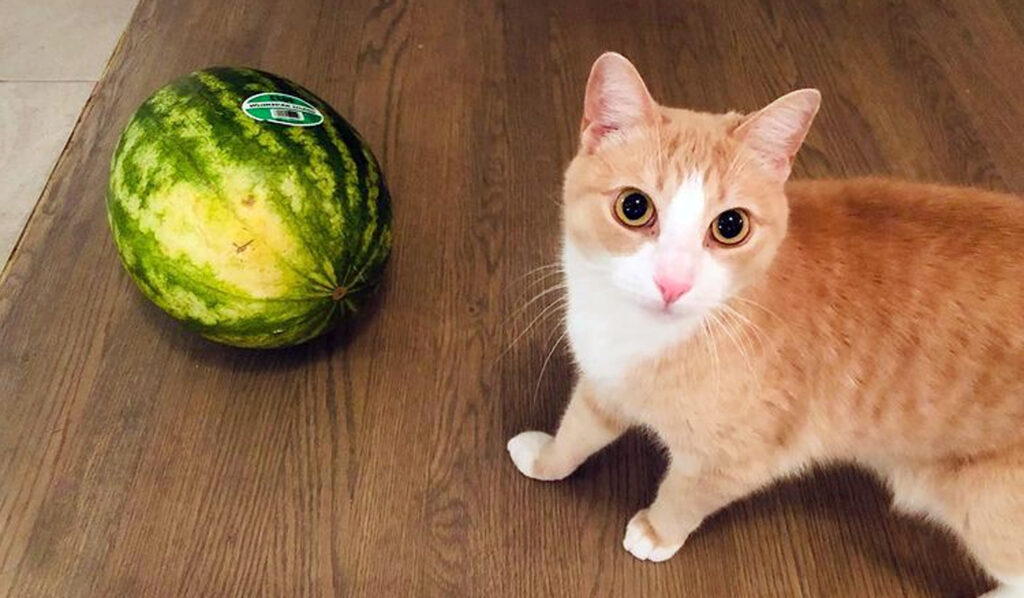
(674, 211)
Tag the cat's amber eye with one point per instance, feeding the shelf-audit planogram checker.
(732, 227)
(634, 209)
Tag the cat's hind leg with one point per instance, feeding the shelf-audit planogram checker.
(988, 513)
(983, 502)
(1010, 587)
(585, 429)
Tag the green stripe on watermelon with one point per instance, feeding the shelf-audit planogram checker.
(253, 234)
(235, 143)
(371, 194)
(361, 179)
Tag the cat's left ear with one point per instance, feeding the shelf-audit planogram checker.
(776, 132)
(616, 100)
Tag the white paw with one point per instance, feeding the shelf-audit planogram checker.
(1004, 592)
(524, 448)
(1012, 587)
(1015, 591)
(644, 544)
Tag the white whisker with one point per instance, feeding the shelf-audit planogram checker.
(541, 268)
(540, 295)
(727, 329)
(538, 274)
(753, 303)
(546, 277)
(544, 366)
(549, 309)
(705, 327)
(744, 325)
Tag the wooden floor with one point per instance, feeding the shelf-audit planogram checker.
(139, 460)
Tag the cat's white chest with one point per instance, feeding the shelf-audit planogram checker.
(602, 353)
(610, 336)
(608, 346)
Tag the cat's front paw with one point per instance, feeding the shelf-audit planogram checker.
(525, 450)
(643, 541)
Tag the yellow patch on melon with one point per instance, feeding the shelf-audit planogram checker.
(239, 236)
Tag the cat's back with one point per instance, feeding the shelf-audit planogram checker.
(888, 212)
(916, 294)
(903, 250)
(896, 235)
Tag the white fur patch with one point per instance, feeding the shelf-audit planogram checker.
(524, 449)
(643, 547)
(912, 495)
(1013, 587)
(684, 223)
(616, 315)
(609, 322)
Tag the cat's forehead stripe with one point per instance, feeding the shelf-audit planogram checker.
(687, 206)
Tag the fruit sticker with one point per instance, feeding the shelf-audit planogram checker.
(282, 109)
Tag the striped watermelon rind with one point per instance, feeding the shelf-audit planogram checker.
(254, 234)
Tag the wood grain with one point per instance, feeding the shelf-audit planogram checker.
(137, 459)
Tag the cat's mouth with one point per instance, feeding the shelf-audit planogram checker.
(662, 309)
(685, 308)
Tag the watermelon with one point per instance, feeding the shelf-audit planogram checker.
(246, 207)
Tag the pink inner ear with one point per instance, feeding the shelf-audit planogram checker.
(597, 130)
(776, 132)
(616, 98)
(787, 162)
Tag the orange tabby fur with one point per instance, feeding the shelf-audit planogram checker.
(869, 321)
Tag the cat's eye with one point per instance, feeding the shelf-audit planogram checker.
(634, 209)
(732, 227)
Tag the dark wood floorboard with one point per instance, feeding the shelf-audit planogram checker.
(139, 460)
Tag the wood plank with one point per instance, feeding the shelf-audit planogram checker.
(136, 459)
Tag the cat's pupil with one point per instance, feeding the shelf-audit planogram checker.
(634, 206)
(730, 224)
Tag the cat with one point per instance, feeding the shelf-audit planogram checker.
(759, 326)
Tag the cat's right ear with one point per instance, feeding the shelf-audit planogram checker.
(776, 132)
(616, 99)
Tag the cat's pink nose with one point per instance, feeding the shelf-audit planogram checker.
(672, 287)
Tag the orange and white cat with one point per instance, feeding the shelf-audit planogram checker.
(758, 327)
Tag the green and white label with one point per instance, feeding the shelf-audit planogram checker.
(282, 109)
